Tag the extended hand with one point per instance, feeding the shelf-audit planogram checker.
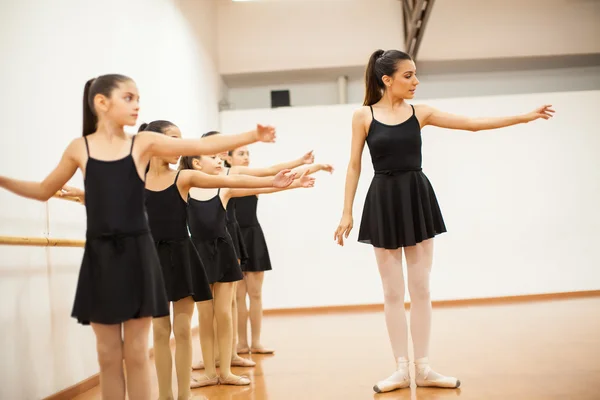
(544, 112)
(308, 158)
(265, 134)
(284, 178)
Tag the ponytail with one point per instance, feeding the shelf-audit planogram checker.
(381, 63)
(90, 121)
(373, 85)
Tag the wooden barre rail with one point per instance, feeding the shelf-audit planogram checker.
(43, 242)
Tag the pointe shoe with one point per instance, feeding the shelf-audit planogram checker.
(424, 377)
(398, 380)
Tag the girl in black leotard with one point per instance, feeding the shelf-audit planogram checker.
(401, 210)
(258, 260)
(120, 286)
(183, 271)
(208, 227)
(240, 248)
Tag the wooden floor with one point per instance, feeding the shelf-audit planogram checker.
(538, 350)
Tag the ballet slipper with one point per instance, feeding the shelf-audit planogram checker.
(261, 350)
(243, 350)
(426, 377)
(203, 381)
(242, 362)
(398, 380)
(235, 380)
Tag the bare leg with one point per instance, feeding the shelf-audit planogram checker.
(236, 360)
(420, 259)
(182, 329)
(163, 362)
(223, 295)
(254, 283)
(242, 346)
(109, 345)
(136, 358)
(389, 263)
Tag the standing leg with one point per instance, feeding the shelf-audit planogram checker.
(109, 345)
(223, 293)
(182, 329)
(136, 358)
(236, 360)
(163, 362)
(207, 344)
(420, 259)
(389, 263)
(242, 347)
(254, 283)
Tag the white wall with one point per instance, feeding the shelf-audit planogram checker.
(433, 86)
(49, 49)
(520, 203)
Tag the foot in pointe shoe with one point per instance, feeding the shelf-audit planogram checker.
(238, 361)
(426, 377)
(260, 349)
(203, 381)
(398, 380)
(235, 380)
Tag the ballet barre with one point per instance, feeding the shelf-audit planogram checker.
(40, 241)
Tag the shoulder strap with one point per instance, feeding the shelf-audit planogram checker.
(132, 141)
(228, 169)
(87, 147)
(413, 108)
(372, 115)
(176, 177)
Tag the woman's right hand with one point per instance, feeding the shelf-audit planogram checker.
(265, 134)
(343, 229)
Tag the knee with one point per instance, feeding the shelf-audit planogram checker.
(161, 331)
(255, 293)
(110, 355)
(182, 329)
(393, 295)
(136, 353)
(419, 291)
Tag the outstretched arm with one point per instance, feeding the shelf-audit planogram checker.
(311, 169)
(191, 178)
(44, 190)
(308, 158)
(442, 119)
(155, 144)
(304, 181)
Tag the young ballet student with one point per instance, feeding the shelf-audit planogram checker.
(401, 212)
(166, 206)
(207, 224)
(234, 230)
(258, 260)
(120, 286)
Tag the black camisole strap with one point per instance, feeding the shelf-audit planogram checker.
(372, 115)
(413, 108)
(176, 177)
(132, 140)
(87, 148)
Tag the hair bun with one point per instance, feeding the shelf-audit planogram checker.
(143, 127)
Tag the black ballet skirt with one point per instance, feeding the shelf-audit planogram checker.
(401, 208)
(182, 269)
(206, 220)
(233, 227)
(252, 234)
(120, 276)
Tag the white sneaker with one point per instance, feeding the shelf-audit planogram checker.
(426, 377)
(398, 380)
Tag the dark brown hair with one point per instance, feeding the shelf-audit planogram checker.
(103, 85)
(380, 63)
